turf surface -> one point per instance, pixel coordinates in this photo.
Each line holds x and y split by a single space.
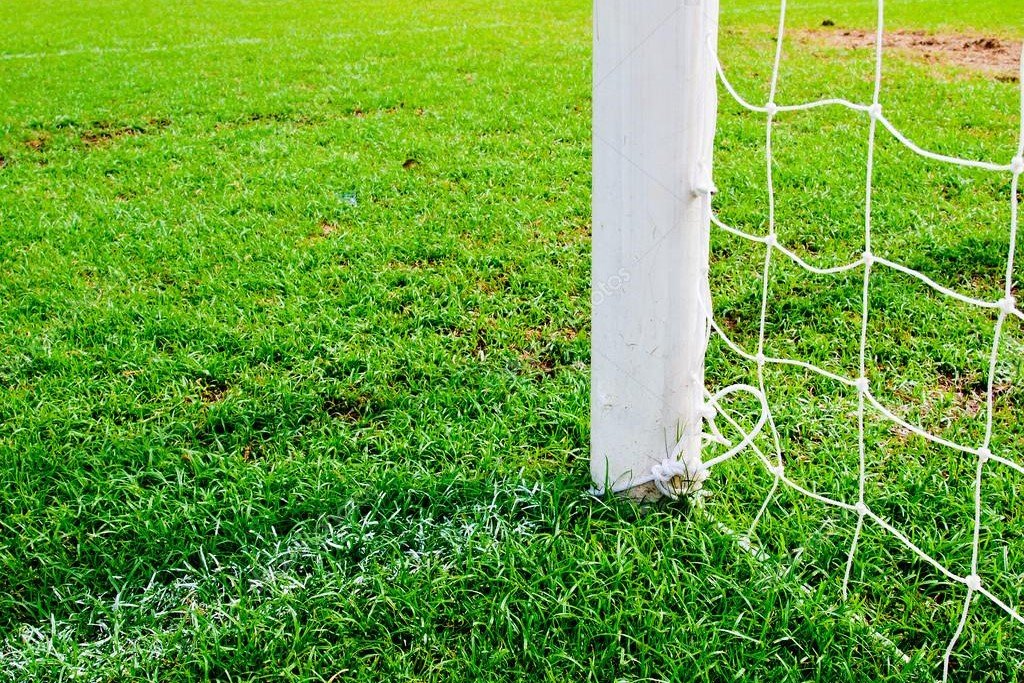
294 378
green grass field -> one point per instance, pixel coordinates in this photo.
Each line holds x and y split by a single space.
294 346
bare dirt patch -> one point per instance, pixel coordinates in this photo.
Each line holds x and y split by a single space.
38 142
998 58
103 132
100 136
212 390
355 406
325 230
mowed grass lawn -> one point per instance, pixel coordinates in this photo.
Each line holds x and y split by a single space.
294 347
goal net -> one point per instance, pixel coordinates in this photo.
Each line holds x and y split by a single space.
861 343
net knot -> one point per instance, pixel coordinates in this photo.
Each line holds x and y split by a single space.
771 109
771 240
862 384
869 259
703 183
1017 165
778 471
973 581
861 507
674 478
984 454
705 186
1008 305
708 411
875 111
760 359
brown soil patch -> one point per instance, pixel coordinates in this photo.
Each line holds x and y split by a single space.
355 407
212 391
39 142
100 136
324 231
102 132
996 57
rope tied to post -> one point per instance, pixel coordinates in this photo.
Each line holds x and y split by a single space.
678 475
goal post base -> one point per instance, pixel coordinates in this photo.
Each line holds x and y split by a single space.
644 493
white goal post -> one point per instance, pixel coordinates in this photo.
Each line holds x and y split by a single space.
654 124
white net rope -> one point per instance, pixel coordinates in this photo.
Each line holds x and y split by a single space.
1004 307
